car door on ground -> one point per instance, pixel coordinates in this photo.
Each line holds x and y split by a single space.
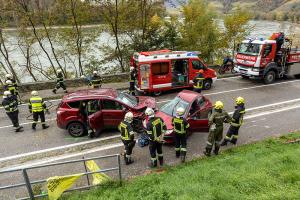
198 115
112 113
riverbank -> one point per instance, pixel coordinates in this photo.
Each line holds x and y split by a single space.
262 170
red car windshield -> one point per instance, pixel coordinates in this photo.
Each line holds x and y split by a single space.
127 99
171 107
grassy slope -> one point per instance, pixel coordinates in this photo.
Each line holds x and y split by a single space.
265 170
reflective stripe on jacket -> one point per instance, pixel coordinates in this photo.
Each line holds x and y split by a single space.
126 131
180 125
36 104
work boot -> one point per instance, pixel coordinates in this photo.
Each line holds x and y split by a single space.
153 163
91 134
183 154
33 128
177 154
19 129
207 151
54 91
216 150
45 126
129 161
224 143
66 91
161 161
233 141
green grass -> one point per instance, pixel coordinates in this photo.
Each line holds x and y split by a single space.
265 170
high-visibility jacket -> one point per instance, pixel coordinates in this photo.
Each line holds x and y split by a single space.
10 104
126 131
180 125
155 128
238 115
198 81
36 104
96 81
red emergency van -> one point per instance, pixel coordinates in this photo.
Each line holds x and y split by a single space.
163 70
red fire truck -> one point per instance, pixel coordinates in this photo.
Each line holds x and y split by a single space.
268 59
165 70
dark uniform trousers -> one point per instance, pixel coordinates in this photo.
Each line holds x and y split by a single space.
155 147
180 143
128 145
13 116
36 116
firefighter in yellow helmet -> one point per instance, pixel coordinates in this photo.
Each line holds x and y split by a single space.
236 122
37 107
127 136
216 120
180 127
198 81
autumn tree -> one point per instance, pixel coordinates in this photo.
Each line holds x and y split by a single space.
236 28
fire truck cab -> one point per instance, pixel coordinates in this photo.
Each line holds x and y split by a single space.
267 59
165 70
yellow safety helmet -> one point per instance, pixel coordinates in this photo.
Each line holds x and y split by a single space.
219 105
240 100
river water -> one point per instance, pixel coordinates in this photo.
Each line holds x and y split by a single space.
261 29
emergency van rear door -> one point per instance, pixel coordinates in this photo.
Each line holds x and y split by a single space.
161 75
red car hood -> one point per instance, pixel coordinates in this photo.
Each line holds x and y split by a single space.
145 102
167 119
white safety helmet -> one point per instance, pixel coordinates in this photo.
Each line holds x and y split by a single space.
59 71
95 72
128 117
131 69
8 76
34 93
8 82
149 112
5 94
180 111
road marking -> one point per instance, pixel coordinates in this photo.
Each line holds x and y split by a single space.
108 147
240 89
47 120
58 148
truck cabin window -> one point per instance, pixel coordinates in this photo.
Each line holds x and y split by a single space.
160 68
250 49
267 50
197 65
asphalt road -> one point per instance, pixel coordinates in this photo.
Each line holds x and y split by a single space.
226 90
255 128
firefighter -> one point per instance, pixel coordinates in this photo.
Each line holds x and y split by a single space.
155 130
180 126
10 104
127 136
10 77
216 120
37 107
235 124
96 80
133 75
10 86
60 82
198 81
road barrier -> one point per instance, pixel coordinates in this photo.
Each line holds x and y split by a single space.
29 183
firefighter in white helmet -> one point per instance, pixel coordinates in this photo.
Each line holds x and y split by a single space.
127 136
60 83
37 107
133 76
180 127
156 129
96 80
216 120
10 104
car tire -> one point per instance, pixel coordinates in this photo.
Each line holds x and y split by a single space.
244 77
76 129
297 76
269 77
207 84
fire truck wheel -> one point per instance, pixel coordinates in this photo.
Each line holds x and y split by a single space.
269 77
207 84
157 93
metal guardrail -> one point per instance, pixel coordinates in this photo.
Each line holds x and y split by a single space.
29 183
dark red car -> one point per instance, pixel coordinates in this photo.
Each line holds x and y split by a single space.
197 109
108 109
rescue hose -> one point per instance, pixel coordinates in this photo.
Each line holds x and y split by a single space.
29 117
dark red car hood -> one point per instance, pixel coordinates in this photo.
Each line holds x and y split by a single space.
145 102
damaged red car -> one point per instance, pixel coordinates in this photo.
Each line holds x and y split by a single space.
107 110
197 109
